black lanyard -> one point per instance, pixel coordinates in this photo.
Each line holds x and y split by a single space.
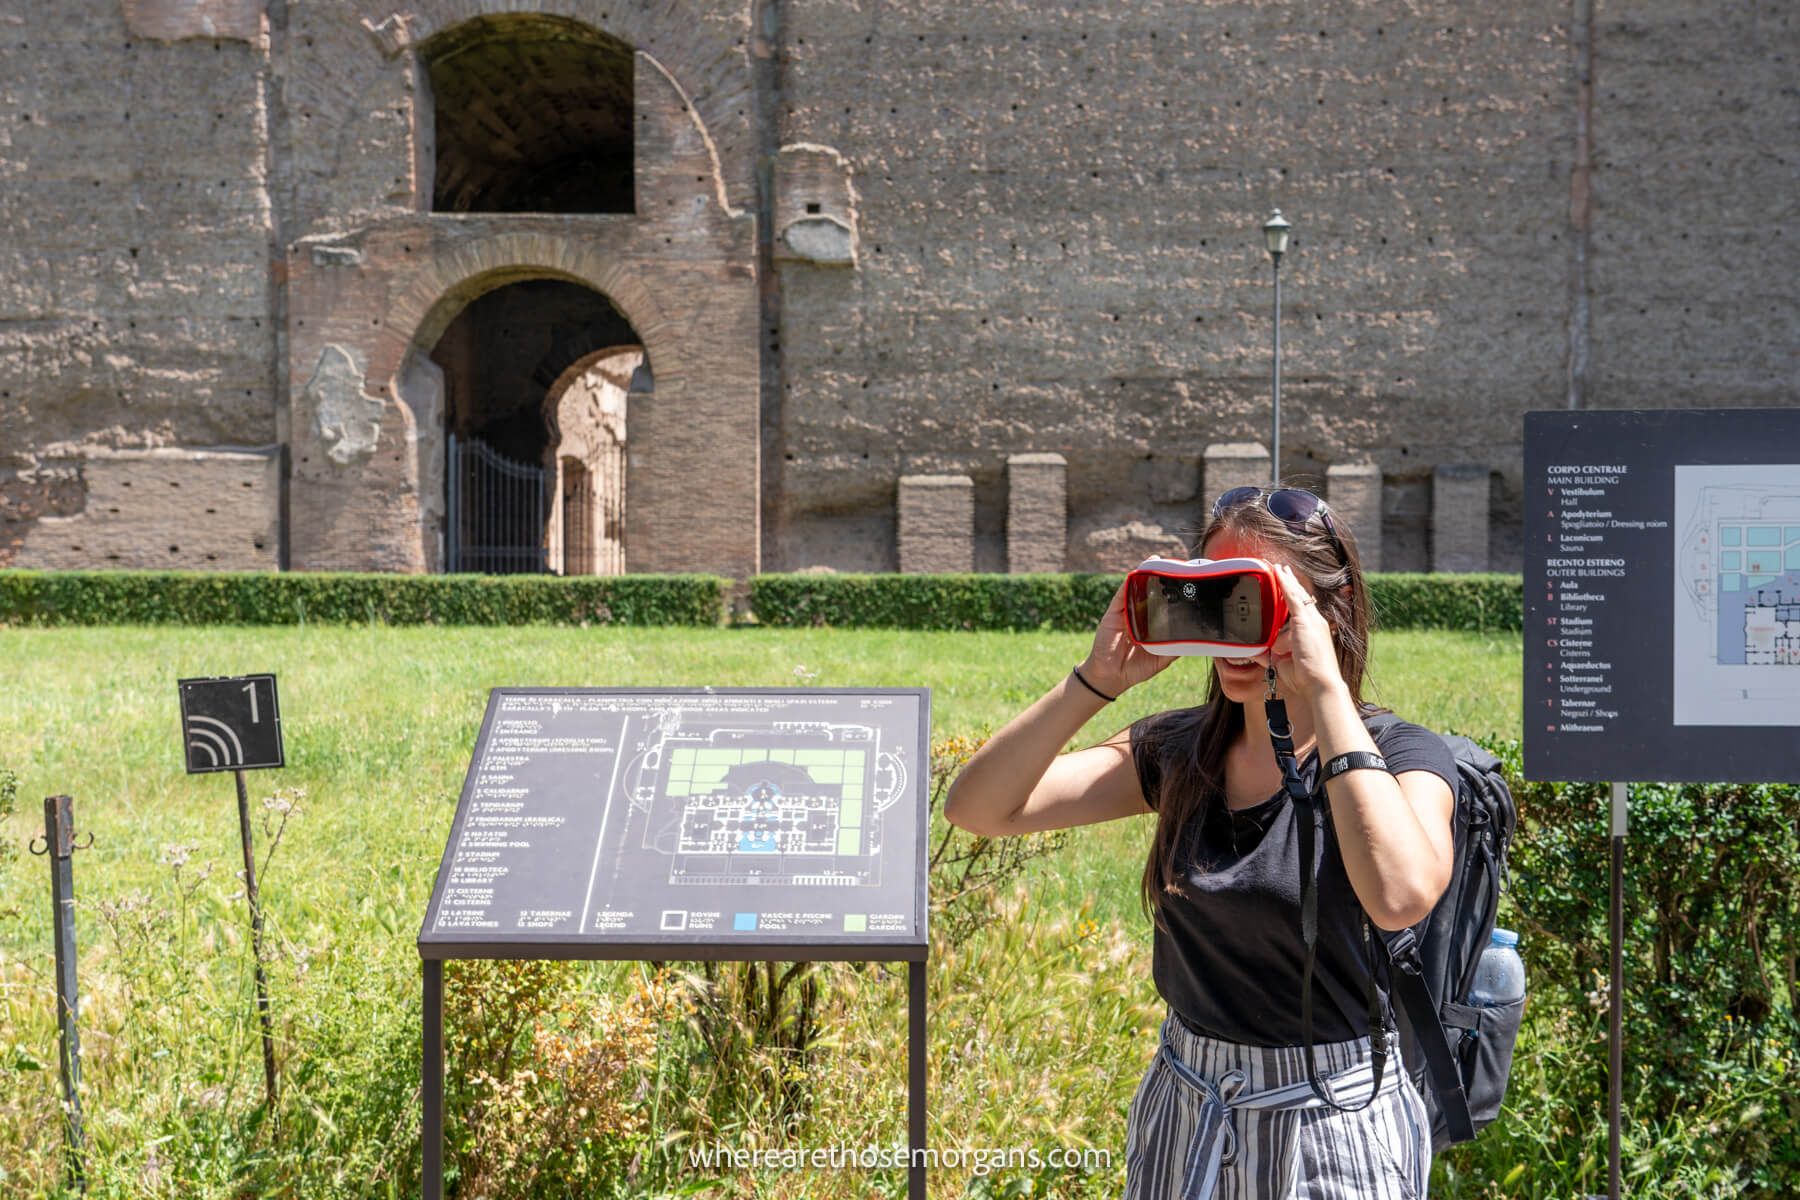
1310 821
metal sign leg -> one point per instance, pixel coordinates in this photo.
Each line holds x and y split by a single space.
432 1081
1616 1052
59 844
256 943
915 1080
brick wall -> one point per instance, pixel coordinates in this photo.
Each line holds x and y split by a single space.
1038 232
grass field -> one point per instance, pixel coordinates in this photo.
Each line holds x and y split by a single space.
1041 1024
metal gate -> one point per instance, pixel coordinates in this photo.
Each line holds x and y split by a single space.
496 517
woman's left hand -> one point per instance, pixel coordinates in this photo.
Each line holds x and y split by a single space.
1304 654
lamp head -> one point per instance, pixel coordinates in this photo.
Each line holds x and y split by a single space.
1275 234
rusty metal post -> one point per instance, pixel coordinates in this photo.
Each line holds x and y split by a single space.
59 846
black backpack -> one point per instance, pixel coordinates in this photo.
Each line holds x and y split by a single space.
1459 1055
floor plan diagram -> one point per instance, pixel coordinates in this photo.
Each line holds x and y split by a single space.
782 802
749 815
1737 602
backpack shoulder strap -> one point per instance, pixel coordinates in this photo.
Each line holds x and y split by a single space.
1407 984
1482 799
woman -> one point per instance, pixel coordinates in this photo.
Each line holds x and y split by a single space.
1225 1108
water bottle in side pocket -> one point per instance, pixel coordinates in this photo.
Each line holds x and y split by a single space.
1500 975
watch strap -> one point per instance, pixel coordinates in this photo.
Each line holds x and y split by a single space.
1352 760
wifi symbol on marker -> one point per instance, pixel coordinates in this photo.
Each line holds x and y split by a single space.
215 739
231 723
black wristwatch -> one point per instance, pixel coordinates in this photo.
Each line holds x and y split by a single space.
1352 761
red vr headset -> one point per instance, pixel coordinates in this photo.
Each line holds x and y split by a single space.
1228 607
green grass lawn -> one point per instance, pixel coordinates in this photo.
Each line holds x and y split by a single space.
379 723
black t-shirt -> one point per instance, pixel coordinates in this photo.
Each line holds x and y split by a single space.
1230 961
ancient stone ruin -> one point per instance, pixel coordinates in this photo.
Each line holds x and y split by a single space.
592 286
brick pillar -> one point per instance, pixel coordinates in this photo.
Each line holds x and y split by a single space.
1233 464
1354 492
1459 518
937 523
1037 512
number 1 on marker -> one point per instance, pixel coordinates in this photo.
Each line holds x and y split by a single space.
251 688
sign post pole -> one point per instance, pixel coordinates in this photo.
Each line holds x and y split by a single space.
433 1081
59 846
1616 1054
915 1080
233 723
256 942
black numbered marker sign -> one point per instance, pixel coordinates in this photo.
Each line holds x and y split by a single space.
231 723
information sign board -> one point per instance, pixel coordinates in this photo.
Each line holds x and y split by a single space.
635 823
1662 595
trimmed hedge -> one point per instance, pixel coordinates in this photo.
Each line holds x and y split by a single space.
1068 602
1478 603
1075 601
294 598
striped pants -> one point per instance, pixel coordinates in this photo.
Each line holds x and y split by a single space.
1215 1120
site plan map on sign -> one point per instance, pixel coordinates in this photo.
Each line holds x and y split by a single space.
690 815
1737 595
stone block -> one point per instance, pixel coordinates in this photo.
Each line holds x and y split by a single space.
1354 493
937 523
1037 512
195 510
1234 464
174 20
1123 546
1459 517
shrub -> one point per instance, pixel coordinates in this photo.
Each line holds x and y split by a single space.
1075 601
1712 936
546 1077
296 597
1477 603
933 601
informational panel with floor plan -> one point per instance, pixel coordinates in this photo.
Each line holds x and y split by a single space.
1662 595
1737 595
657 819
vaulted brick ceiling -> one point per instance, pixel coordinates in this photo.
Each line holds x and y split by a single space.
533 115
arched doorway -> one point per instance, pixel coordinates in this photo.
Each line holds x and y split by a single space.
515 409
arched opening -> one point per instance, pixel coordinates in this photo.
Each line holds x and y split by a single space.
525 393
532 114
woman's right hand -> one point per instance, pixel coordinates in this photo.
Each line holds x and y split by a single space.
1116 662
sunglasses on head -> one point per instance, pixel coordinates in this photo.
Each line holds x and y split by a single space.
1293 507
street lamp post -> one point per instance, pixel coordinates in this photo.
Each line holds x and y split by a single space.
1275 235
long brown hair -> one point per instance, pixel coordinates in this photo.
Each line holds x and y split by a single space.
1189 744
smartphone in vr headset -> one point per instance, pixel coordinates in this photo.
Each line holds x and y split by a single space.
1228 607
